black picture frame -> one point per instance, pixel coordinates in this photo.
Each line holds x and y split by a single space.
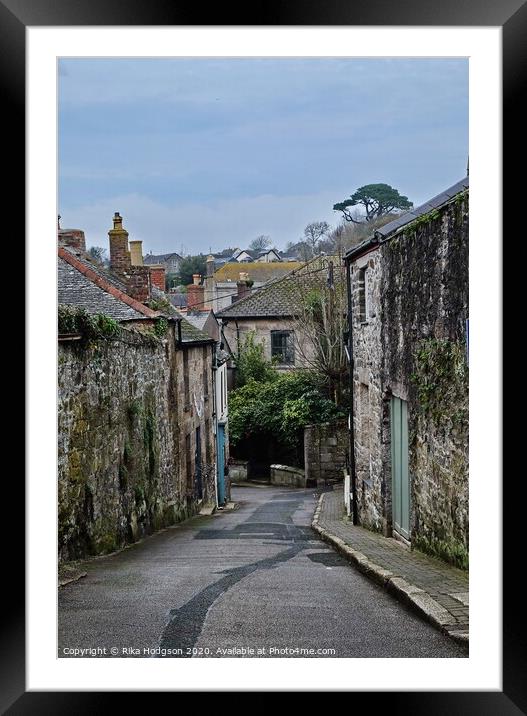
511 15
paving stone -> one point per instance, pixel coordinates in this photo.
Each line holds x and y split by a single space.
439 589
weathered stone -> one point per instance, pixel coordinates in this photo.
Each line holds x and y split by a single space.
287 476
122 458
325 449
412 345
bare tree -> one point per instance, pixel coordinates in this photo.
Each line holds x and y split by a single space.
320 321
260 243
98 254
313 233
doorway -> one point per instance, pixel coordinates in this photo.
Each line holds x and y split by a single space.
400 478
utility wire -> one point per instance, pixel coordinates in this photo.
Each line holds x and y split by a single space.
254 291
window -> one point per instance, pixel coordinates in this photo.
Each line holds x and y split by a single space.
282 346
362 294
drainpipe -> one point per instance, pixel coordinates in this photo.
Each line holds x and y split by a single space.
237 337
353 474
179 339
215 417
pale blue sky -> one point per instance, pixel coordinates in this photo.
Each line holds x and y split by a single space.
199 154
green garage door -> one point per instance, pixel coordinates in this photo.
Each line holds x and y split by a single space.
400 480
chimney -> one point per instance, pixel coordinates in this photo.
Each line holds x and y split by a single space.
72 237
157 275
243 284
210 265
138 282
195 294
120 260
136 253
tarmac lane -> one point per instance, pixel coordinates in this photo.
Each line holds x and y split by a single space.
256 582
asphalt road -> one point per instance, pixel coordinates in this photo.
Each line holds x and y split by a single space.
253 582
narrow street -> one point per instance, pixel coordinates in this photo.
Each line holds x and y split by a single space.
256 578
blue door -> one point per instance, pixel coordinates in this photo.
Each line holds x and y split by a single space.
400 478
221 464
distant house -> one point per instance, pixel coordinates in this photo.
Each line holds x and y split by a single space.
223 257
408 348
248 255
171 262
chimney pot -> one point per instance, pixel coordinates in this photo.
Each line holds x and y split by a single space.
196 279
120 259
136 253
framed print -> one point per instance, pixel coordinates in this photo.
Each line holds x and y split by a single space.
168 350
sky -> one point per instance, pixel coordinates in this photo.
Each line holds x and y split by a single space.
200 154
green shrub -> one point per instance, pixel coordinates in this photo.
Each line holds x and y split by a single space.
251 363
280 408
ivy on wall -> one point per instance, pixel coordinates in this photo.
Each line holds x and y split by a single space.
441 378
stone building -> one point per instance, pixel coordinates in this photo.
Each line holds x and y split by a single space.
170 262
408 328
137 421
275 313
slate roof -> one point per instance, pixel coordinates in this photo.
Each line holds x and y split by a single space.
401 221
258 272
84 283
79 283
192 334
159 258
189 333
281 297
198 320
429 205
177 299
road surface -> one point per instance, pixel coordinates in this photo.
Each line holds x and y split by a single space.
251 582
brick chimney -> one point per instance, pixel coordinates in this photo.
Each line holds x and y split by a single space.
243 285
157 276
136 253
72 237
138 282
195 294
120 259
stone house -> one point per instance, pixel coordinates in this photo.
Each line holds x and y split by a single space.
274 312
137 422
170 262
407 342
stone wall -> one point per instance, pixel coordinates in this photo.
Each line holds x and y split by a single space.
120 446
325 450
286 476
195 408
373 500
413 346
